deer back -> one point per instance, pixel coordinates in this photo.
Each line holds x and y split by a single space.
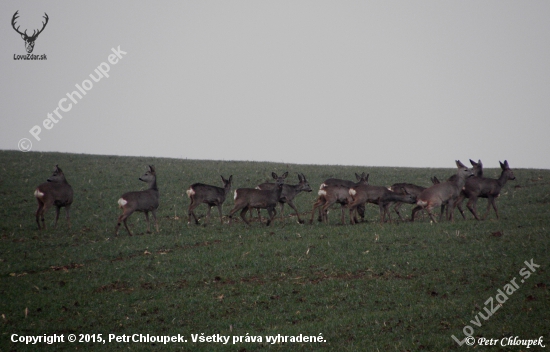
212 195
258 198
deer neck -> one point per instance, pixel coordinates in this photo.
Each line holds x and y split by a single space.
153 185
502 179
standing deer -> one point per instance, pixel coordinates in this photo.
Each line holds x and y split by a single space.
211 195
250 198
362 179
141 201
57 191
329 195
481 187
288 194
444 193
379 195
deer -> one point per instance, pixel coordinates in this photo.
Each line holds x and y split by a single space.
405 188
477 169
211 195
250 198
29 40
481 187
288 194
361 179
56 191
444 193
329 195
141 201
379 195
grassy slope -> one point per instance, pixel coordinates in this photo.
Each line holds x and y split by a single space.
396 287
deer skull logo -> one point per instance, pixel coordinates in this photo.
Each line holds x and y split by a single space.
29 40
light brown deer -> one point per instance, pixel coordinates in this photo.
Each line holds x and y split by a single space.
444 193
362 179
288 194
328 196
141 201
211 195
57 191
481 187
250 198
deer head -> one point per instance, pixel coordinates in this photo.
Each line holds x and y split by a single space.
29 40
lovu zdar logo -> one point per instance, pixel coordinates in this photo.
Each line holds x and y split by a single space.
29 39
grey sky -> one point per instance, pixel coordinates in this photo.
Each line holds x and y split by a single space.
373 83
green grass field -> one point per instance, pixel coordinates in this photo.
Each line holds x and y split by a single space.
400 286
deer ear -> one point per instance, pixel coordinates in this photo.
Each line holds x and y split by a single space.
459 164
506 164
299 177
274 175
304 177
473 162
367 177
501 165
230 178
152 168
285 175
57 168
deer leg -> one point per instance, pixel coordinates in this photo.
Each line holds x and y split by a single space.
396 208
488 209
38 213
472 207
191 211
272 212
123 218
415 210
342 206
57 210
220 211
67 215
429 210
208 214
147 219
154 212
233 211
259 215
493 202
316 205
243 213
291 204
361 211
459 204
282 214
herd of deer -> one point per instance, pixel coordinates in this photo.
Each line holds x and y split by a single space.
466 183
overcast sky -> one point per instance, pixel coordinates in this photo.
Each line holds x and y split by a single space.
371 83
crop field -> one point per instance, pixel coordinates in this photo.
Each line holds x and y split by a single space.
397 286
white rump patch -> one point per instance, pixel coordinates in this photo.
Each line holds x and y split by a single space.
352 192
190 192
422 203
323 185
235 196
258 187
322 192
38 194
389 189
122 202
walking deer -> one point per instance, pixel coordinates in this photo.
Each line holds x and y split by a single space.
250 198
57 191
328 196
481 187
141 201
405 188
477 169
288 194
362 179
444 193
379 195
211 195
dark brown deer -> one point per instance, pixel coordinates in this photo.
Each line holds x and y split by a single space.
443 193
250 198
379 195
288 194
211 195
141 201
405 188
481 187
57 191
328 196
362 179
29 40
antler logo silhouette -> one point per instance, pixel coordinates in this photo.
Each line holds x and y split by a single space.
29 40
